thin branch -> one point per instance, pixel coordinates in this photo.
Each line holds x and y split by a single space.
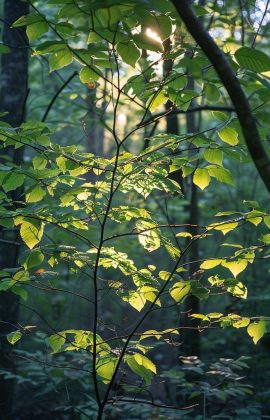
49 107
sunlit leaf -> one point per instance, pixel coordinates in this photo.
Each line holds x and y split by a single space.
201 178
256 330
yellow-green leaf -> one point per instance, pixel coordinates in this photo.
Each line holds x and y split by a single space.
35 30
256 330
31 232
56 341
179 291
235 267
145 362
201 178
89 74
208 264
106 368
14 336
229 135
224 227
156 100
35 195
213 156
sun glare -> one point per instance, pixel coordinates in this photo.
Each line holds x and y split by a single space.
153 35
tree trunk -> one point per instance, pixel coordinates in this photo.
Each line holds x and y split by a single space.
13 94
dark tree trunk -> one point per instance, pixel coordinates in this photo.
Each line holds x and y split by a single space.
13 93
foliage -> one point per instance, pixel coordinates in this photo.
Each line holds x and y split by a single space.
93 226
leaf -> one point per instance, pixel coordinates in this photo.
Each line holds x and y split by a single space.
14 336
149 235
20 291
229 135
164 26
135 299
208 264
35 195
145 42
60 59
213 156
236 288
252 59
106 367
224 227
156 100
139 369
235 267
13 181
201 178
266 238
35 258
256 330
56 341
129 52
179 291
267 221
31 232
35 30
145 362
89 74
221 174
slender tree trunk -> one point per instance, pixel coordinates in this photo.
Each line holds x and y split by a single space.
13 93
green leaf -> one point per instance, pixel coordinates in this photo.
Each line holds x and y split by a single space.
129 53
139 369
229 135
56 341
179 291
35 30
34 259
4 49
20 291
89 74
31 232
213 156
201 178
164 26
60 59
252 59
256 330
14 336
13 181
221 174
28 20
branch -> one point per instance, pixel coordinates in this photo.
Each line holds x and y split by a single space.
56 96
168 113
232 85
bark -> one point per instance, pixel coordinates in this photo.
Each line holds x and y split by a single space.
232 85
13 93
